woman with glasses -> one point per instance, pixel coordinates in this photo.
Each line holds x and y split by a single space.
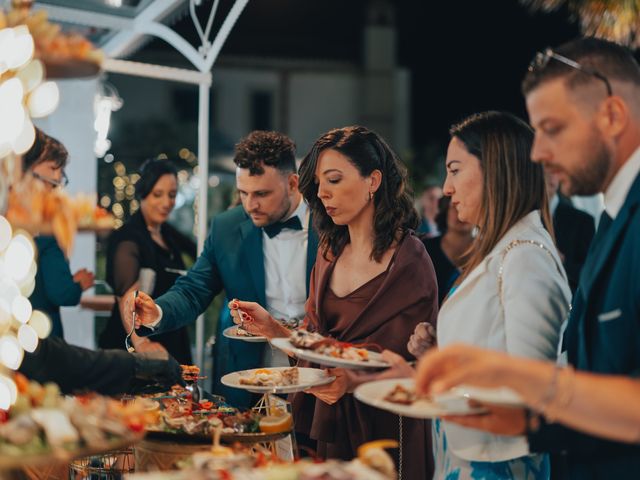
146 254
513 292
55 285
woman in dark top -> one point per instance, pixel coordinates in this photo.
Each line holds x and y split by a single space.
372 283
146 241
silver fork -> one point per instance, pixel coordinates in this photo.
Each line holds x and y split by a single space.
130 348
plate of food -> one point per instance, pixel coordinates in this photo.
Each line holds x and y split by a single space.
399 396
277 380
236 332
502 396
329 351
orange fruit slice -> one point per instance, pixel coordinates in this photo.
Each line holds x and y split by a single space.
380 444
276 424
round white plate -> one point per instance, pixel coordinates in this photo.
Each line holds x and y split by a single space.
375 359
309 377
231 333
373 393
495 396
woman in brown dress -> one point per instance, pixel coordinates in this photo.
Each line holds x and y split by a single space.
373 282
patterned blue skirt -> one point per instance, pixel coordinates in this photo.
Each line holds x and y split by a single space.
450 467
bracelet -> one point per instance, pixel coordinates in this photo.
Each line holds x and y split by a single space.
549 395
564 393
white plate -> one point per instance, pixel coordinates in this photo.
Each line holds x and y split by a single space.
231 333
495 396
375 359
309 377
373 393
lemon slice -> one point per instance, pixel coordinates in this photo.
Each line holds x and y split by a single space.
276 424
379 444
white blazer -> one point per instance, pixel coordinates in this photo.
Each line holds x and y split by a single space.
526 322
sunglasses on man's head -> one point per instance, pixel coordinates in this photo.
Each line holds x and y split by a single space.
541 60
63 182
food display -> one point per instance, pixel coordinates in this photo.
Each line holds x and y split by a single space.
52 44
264 377
180 416
89 215
42 210
42 422
372 463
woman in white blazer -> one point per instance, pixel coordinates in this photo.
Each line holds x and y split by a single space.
513 294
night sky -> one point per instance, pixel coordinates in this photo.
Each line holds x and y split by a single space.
464 56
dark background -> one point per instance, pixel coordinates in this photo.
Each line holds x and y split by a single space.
464 56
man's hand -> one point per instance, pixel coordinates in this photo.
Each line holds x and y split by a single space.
144 345
497 420
145 308
85 278
157 369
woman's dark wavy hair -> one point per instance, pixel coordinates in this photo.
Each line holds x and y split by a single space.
150 172
394 213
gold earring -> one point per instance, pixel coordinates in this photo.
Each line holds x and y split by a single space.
370 196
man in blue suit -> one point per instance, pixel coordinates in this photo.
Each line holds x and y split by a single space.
583 101
261 251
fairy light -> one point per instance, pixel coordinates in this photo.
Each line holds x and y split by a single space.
24 94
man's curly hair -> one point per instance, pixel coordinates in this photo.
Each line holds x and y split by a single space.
261 148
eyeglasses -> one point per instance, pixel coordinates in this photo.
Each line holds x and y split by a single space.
541 60
63 182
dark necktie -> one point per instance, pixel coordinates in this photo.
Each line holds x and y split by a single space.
275 228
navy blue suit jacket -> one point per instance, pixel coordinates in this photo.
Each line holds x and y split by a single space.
232 260
603 336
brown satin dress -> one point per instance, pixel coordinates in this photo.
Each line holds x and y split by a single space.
384 311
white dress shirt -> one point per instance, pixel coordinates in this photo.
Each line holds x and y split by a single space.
285 271
618 189
285 268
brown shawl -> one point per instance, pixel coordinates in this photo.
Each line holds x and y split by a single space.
407 296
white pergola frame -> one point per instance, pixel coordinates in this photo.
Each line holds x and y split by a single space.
129 36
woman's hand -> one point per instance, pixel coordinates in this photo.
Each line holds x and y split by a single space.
255 319
85 278
423 338
400 368
333 391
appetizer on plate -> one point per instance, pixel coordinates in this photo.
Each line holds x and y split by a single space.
265 377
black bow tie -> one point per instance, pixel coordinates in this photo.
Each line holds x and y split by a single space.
274 229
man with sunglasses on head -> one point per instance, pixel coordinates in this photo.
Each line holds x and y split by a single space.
55 285
583 101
